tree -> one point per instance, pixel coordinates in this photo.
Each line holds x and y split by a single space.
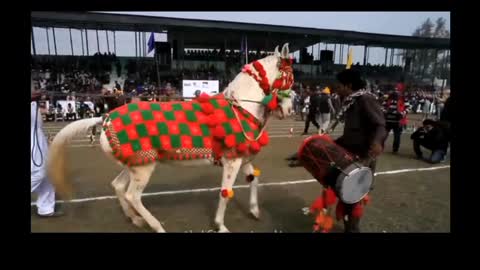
423 61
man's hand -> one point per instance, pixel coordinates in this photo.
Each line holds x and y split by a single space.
375 150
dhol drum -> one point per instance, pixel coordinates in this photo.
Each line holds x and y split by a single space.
335 167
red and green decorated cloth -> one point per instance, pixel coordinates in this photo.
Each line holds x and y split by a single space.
143 132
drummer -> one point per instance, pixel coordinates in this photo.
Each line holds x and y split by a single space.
364 132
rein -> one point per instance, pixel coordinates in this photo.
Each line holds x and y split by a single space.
282 82
264 125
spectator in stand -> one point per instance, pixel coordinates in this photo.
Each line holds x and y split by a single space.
70 112
60 112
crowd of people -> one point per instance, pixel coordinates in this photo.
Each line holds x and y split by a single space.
220 55
373 70
319 106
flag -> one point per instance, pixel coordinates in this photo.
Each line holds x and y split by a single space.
350 58
151 43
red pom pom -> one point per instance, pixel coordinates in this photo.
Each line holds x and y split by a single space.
254 147
273 104
264 85
230 141
357 211
340 211
242 148
217 154
224 193
217 149
258 66
317 205
219 132
366 199
264 139
330 197
212 120
207 108
260 70
328 224
204 97
277 84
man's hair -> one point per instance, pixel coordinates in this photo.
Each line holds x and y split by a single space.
351 76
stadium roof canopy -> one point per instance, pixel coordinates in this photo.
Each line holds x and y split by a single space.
214 34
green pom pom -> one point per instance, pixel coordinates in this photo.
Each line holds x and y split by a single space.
267 99
284 94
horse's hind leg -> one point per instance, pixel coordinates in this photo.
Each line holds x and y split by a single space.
252 178
139 177
120 184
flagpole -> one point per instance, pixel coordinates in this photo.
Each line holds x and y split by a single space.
246 50
147 51
155 56
158 71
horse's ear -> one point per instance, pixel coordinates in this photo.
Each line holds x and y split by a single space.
285 51
277 53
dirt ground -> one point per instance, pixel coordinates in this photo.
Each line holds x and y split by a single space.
411 201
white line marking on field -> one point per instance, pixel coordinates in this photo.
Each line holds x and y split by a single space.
198 190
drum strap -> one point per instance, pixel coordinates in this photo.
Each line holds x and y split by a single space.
347 103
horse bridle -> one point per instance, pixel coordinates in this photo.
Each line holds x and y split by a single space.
280 88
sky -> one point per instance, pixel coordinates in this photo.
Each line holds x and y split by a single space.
396 23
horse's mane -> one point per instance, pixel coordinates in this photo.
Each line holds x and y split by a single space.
243 80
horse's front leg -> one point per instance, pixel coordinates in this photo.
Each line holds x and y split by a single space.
230 171
252 175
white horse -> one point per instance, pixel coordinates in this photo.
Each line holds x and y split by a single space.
130 183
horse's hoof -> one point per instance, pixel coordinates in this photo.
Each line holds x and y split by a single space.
223 229
255 212
139 222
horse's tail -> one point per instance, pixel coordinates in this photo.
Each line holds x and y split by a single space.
56 163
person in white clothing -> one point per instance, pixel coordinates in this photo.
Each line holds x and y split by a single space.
39 180
325 110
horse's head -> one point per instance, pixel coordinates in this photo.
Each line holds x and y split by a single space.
266 82
281 86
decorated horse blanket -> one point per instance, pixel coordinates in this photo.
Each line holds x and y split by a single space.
208 127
